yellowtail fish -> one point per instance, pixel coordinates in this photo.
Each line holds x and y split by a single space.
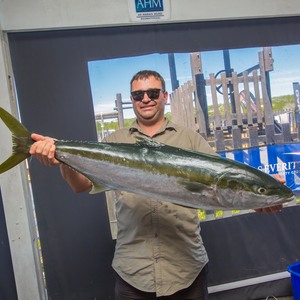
184 177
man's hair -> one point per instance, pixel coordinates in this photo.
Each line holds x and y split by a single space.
144 74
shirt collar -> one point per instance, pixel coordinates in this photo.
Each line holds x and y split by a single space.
167 125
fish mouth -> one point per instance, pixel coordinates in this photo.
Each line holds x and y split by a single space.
290 198
281 200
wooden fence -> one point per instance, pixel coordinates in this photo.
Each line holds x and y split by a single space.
182 106
241 116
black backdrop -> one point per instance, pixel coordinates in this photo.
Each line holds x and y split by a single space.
50 69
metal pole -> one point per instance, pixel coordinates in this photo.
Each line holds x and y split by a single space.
173 74
228 71
119 106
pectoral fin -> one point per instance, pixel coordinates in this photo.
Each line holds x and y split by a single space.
193 187
98 188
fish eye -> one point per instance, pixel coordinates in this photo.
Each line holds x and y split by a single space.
261 190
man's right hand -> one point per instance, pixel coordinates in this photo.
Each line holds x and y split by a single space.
44 150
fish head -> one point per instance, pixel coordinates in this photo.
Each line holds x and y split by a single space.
250 189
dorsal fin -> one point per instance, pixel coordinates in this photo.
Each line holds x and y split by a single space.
147 141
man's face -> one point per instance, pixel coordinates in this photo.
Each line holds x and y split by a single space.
150 108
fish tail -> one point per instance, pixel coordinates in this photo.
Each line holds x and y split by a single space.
21 139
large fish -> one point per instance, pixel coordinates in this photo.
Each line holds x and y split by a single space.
155 170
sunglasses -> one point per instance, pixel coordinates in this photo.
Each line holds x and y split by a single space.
152 94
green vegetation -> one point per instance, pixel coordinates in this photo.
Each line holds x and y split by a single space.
283 102
280 103
113 125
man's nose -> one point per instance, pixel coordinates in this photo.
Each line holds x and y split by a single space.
146 98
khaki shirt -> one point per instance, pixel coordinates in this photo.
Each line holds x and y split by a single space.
159 248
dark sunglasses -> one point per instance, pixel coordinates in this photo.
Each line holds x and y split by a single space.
152 94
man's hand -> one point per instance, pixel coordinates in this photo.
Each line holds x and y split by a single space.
44 149
276 208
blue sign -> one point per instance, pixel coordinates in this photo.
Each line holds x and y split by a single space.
149 5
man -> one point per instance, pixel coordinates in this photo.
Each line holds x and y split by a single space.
159 250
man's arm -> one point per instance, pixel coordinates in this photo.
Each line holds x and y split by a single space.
44 150
76 181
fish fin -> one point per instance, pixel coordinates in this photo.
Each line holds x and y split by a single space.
21 138
12 161
147 141
98 188
194 187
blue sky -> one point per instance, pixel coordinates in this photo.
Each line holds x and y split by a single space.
109 77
